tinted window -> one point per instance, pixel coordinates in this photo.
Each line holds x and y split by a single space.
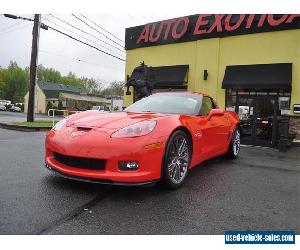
207 106
169 103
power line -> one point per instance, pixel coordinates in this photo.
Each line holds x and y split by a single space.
46 27
10 26
63 33
14 29
86 33
76 59
102 28
122 46
82 36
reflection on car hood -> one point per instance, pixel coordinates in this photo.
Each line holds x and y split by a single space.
109 120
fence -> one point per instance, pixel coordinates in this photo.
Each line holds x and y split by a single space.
63 112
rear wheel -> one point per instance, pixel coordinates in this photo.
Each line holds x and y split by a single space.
235 144
176 160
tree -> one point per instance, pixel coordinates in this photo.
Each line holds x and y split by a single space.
48 74
94 86
15 83
115 88
2 82
71 79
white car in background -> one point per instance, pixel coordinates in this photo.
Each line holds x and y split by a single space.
100 108
15 109
2 107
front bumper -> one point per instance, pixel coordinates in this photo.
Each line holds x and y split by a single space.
99 145
98 181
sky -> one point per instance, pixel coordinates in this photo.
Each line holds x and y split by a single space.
64 54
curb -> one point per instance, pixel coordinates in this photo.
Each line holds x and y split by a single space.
296 143
23 128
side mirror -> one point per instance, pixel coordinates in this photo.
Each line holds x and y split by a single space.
215 112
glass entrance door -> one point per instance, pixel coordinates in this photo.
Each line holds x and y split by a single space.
245 110
257 119
265 121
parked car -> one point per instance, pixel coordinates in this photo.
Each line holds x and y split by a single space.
158 138
100 108
15 109
2 108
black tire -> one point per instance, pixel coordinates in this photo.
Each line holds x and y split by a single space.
176 160
235 144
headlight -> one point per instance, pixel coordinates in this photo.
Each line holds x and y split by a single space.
135 130
59 124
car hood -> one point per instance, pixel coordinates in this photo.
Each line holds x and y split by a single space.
109 120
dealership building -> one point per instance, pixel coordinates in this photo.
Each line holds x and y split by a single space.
249 64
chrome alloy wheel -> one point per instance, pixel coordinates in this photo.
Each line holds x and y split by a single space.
178 159
236 142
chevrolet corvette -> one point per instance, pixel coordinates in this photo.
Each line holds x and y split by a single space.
157 139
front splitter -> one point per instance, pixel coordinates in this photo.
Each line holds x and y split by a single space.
100 181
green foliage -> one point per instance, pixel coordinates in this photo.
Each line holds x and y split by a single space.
94 86
115 88
48 74
15 83
49 106
37 123
8 106
60 106
2 72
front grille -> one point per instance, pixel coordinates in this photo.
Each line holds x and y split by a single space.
80 162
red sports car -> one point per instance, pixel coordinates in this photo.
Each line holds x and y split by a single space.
158 138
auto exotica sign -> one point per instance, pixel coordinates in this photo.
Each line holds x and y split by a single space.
196 27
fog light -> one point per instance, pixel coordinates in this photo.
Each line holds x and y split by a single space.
128 165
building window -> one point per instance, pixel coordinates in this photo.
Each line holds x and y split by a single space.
230 100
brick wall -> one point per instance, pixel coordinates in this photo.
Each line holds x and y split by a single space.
295 126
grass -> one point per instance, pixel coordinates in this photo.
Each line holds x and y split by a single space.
37 123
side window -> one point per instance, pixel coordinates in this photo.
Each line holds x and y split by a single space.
207 106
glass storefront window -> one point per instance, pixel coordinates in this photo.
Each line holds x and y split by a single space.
230 100
259 111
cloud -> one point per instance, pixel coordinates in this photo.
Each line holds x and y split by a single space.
64 54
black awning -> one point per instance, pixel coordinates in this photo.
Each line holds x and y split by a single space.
258 76
169 76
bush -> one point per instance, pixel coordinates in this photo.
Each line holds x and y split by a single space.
60 106
49 106
8 106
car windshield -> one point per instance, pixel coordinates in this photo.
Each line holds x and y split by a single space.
169 103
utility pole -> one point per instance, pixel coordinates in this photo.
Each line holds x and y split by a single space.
33 66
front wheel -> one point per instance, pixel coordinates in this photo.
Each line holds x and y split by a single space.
176 160
235 144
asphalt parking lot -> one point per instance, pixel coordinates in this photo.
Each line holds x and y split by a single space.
259 191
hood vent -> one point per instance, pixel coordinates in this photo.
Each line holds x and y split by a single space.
83 129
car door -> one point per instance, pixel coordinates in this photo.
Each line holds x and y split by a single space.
214 129
208 129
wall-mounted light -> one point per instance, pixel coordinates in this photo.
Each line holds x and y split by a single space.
205 74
